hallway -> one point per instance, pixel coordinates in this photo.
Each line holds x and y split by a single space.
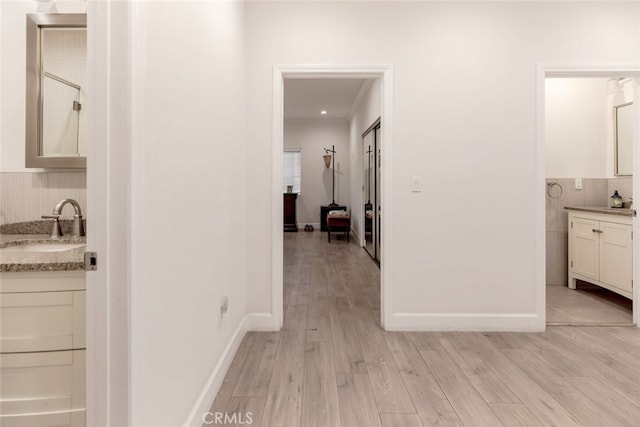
333 365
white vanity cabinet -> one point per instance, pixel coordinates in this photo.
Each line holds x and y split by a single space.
600 250
42 348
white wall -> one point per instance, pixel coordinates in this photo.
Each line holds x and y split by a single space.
464 120
2 62
366 113
188 203
312 136
576 122
579 121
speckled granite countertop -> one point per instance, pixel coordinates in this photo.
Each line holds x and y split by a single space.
38 227
71 259
602 210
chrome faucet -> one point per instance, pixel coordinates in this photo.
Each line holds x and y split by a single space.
56 231
78 227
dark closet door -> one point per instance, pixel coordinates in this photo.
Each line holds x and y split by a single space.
372 180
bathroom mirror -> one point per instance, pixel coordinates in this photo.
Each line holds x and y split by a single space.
56 91
624 139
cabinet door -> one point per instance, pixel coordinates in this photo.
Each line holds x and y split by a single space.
42 389
584 250
289 211
42 321
616 255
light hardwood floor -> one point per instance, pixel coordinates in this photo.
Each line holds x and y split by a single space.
332 365
587 305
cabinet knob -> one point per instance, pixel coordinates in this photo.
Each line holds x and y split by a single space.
596 231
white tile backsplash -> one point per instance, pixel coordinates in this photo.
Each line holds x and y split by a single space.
624 185
595 192
26 196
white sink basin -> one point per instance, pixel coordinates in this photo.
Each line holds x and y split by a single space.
43 247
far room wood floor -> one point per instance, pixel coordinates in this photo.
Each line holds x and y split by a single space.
587 305
332 365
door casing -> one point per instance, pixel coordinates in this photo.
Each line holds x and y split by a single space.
579 71
304 71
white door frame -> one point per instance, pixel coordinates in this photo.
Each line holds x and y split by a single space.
385 73
542 72
108 207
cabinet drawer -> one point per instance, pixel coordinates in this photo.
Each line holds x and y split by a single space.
42 321
46 388
42 281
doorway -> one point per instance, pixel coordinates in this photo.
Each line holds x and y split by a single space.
385 74
581 174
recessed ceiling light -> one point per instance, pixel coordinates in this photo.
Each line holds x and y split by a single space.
323 112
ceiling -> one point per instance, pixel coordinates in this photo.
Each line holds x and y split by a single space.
306 98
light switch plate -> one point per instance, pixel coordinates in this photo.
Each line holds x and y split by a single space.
416 184
578 183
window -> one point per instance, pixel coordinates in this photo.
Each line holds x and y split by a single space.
291 169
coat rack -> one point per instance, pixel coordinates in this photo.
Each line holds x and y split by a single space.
328 159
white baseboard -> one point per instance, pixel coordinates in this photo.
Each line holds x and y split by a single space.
212 386
355 233
471 322
250 322
260 322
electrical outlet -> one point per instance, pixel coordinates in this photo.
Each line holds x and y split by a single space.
578 184
224 304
